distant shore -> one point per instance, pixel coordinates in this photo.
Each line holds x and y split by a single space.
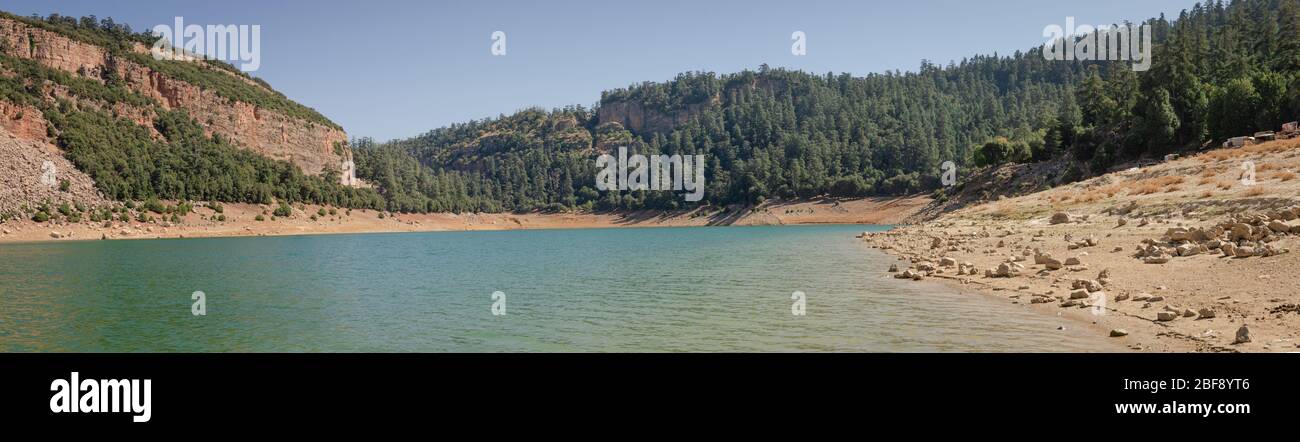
240 220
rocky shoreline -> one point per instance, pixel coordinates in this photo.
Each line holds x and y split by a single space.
1204 267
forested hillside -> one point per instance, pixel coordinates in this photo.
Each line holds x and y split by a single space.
1220 70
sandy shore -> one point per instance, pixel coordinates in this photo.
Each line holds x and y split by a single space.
1114 223
241 221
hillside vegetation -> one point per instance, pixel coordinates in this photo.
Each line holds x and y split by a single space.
1219 70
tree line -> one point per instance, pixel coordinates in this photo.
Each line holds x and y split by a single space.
1221 69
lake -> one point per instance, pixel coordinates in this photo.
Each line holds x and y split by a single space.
707 289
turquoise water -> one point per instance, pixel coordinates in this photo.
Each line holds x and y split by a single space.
673 289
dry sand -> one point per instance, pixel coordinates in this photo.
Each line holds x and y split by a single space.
240 221
1199 191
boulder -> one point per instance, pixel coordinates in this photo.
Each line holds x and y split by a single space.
1207 313
1279 227
1118 333
1079 294
1240 231
1229 249
1006 270
947 262
1052 264
1073 261
1157 259
1166 316
1178 234
1087 284
1060 218
1243 335
1189 250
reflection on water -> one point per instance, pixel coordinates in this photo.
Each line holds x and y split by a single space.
679 289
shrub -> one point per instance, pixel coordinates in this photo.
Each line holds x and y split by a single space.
260 218
155 206
217 208
321 212
283 211
1000 150
64 185
41 217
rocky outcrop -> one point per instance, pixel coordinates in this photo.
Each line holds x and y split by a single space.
24 122
635 116
309 145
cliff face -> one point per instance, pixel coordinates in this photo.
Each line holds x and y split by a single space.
309 145
24 122
636 117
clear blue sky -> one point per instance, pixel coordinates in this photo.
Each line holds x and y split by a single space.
393 69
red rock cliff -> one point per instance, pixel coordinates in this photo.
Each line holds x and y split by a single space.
309 145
